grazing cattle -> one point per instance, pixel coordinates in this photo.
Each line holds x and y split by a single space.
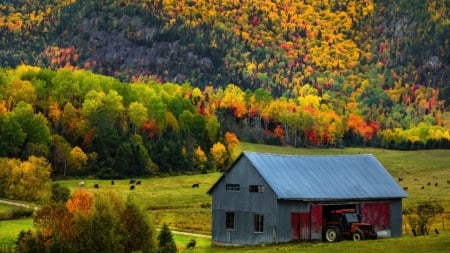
96 186
448 181
81 184
112 182
132 187
400 179
138 182
195 185
429 183
132 181
423 187
436 184
405 188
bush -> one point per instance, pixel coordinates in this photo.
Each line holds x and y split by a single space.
60 193
422 216
191 244
20 212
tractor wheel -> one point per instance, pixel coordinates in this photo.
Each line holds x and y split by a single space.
332 234
358 235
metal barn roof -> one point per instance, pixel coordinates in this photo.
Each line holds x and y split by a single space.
325 177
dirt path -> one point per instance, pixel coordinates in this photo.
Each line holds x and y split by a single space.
13 203
191 234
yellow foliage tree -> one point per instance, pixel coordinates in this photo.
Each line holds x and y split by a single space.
30 180
219 154
199 158
77 158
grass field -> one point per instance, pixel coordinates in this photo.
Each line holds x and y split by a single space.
9 230
173 201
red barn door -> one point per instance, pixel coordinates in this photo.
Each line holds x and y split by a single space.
316 222
376 213
300 226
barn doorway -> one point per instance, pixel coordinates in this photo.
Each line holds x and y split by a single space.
300 226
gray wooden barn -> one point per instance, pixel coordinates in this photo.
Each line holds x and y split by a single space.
270 198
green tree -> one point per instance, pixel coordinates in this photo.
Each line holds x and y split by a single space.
12 137
138 115
35 127
139 230
166 242
60 194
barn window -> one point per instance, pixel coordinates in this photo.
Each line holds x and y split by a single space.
229 220
259 223
232 187
256 188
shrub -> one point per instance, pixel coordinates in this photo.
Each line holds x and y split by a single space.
60 193
20 212
422 216
191 244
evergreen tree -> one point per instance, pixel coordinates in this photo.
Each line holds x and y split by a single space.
166 242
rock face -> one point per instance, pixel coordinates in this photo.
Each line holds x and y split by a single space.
135 48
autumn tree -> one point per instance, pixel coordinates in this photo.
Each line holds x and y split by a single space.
29 180
199 159
89 223
219 155
77 158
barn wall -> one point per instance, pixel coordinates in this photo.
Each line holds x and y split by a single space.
244 204
285 209
396 218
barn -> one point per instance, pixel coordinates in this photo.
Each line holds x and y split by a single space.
270 198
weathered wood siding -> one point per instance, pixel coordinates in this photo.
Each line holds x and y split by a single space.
396 217
244 204
285 209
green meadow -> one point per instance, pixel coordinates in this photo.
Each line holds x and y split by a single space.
173 201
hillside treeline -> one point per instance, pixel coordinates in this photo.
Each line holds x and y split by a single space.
89 124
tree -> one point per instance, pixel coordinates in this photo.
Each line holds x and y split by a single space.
81 202
212 127
30 179
60 194
139 230
60 153
12 137
219 155
35 127
199 159
232 143
166 242
77 158
89 223
422 216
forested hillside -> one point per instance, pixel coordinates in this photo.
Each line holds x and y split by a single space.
182 81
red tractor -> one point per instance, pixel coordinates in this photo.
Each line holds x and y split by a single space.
346 223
